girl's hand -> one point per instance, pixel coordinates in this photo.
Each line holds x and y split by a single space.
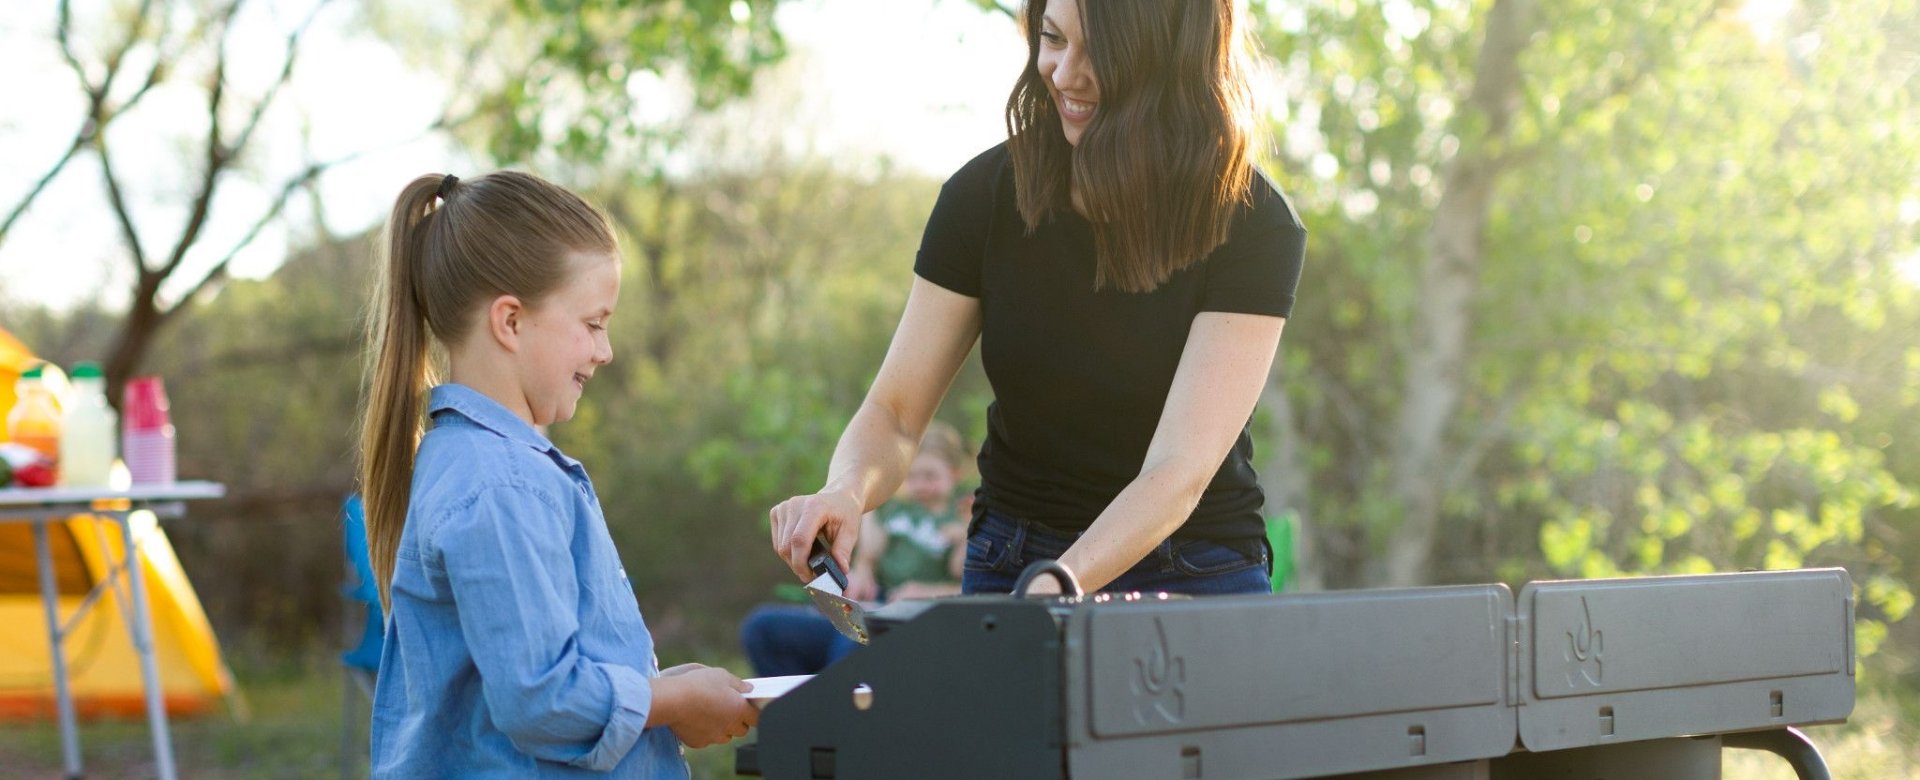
679 670
796 521
703 706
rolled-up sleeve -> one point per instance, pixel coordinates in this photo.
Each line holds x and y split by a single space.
508 562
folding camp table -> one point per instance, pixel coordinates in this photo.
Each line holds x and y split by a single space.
41 506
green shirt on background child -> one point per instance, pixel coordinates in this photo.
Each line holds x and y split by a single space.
916 547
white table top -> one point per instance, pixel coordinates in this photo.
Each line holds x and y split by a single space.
80 498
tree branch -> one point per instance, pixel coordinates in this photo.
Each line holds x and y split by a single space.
119 55
119 203
153 77
305 179
219 270
63 32
97 114
286 75
218 155
80 139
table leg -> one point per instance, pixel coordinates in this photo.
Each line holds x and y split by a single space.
142 631
56 652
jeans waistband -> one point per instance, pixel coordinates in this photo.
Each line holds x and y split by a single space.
1002 547
1030 540
991 521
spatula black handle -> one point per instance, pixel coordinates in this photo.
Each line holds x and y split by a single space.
820 561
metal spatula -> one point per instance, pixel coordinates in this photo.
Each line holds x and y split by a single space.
828 591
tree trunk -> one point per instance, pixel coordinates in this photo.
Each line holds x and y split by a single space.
1436 364
143 322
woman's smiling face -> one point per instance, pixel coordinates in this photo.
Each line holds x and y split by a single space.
1066 69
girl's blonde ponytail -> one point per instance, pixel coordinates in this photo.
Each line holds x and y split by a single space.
450 246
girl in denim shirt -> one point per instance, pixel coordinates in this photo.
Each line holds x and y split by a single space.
514 645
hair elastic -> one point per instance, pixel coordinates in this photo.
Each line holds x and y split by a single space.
446 185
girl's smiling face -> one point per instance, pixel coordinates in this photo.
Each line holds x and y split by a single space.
563 339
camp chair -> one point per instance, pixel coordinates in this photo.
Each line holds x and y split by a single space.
361 663
1280 534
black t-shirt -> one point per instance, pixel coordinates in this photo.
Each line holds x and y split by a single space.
1080 376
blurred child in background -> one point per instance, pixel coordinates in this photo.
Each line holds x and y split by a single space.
910 547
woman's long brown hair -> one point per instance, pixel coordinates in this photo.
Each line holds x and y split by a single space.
1163 167
450 247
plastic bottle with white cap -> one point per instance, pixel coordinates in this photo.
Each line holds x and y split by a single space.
88 431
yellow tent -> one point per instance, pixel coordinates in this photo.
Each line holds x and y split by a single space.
14 358
102 669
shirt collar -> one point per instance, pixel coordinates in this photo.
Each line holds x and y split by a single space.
487 413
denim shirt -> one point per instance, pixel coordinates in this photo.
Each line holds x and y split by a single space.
515 647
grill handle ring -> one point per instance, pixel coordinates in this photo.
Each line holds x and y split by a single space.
1069 584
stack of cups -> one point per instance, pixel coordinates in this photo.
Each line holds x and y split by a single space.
147 433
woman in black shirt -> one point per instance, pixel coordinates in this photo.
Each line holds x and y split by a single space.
1127 273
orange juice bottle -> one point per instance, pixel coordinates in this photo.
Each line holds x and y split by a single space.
35 419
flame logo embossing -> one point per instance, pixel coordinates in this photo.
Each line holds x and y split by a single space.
1583 650
1157 682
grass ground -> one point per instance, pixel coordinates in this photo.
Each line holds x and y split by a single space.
287 725
292 728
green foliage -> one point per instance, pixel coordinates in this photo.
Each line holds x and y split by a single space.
1691 344
1690 350
787 430
756 307
593 49
569 81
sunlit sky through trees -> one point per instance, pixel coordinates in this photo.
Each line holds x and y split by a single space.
919 82
922 83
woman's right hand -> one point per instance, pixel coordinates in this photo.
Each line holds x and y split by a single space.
798 520
706 704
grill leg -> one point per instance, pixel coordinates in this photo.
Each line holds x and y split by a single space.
1787 743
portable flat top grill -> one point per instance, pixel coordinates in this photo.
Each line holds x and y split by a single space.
1620 678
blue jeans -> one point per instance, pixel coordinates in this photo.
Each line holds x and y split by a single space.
783 639
1001 547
